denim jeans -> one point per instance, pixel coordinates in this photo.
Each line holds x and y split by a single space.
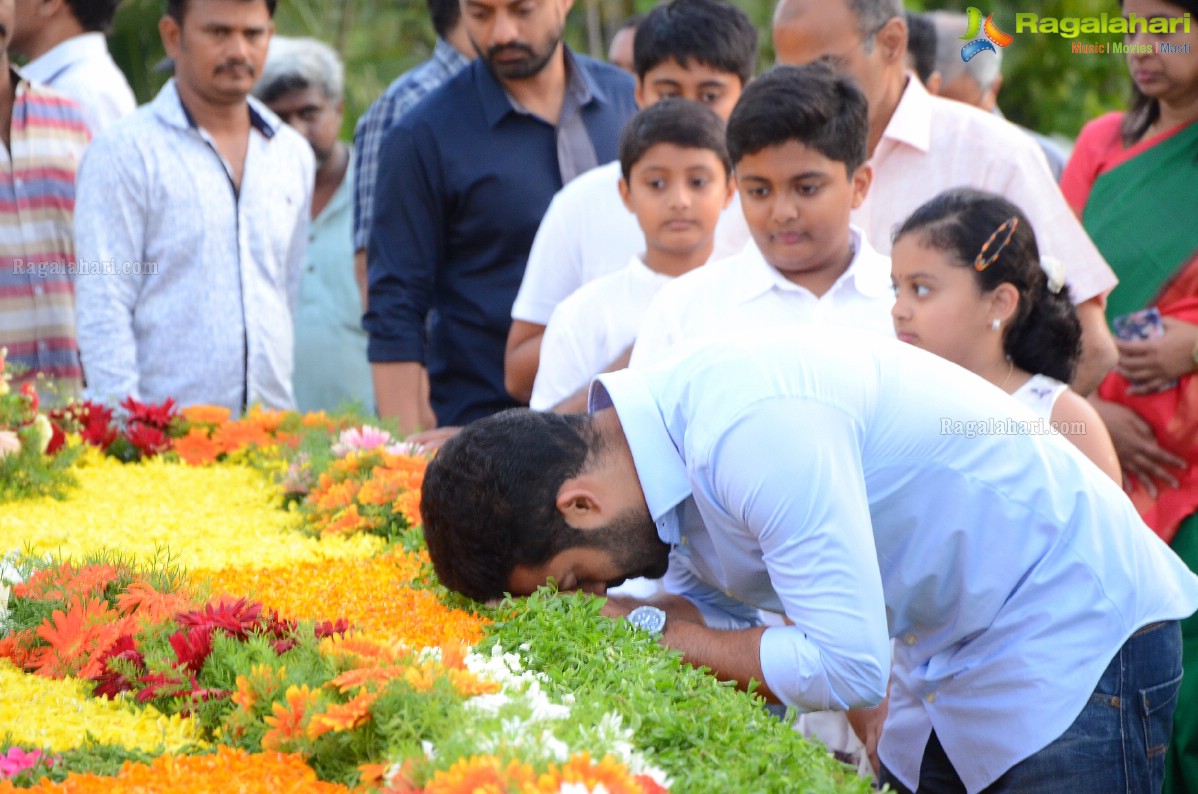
1115 746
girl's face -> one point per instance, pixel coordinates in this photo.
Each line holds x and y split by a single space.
1170 72
939 307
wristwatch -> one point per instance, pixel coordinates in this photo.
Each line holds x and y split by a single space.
650 619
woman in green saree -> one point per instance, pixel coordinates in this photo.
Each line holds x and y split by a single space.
1133 180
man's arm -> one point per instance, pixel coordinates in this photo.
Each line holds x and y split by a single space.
110 227
522 358
406 249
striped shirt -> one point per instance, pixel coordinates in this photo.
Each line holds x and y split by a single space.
401 96
37 242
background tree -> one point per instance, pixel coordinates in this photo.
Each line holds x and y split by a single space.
1046 86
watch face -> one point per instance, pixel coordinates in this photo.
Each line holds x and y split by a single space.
651 619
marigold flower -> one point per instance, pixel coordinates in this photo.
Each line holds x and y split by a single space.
206 414
197 448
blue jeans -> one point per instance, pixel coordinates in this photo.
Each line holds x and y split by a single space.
1115 746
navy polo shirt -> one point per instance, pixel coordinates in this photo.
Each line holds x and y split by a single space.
463 182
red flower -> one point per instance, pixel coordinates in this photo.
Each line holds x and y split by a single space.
158 416
111 683
163 684
239 618
192 647
58 439
328 628
30 393
95 423
148 440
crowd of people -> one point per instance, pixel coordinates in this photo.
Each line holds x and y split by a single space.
791 299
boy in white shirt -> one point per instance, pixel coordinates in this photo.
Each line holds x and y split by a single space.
797 139
676 180
701 50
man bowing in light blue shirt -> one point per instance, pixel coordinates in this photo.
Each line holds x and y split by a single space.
866 490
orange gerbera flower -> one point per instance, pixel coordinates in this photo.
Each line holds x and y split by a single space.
235 436
77 639
197 448
142 601
206 414
344 716
289 722
482 775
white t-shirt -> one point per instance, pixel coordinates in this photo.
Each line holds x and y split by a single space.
745 291
591 329
1040 393
932 144
587 232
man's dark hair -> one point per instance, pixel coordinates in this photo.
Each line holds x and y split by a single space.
94 15
921 44
810 104
489 498
176 8
711 32
446 14
681 122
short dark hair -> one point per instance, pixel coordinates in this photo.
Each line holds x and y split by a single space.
681 122
94 15
176 8
921 44
1044 335
810 104
489 497
446 14
710 32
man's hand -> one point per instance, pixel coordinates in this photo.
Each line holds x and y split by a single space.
867 724
432 440
1135 444
1151 364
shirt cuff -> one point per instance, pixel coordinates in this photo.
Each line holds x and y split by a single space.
388 350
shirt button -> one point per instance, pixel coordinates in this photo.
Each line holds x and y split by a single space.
683 540
931 698
729 593
910 639
38 290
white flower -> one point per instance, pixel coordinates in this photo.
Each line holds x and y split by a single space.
10 443
1055 270
45 432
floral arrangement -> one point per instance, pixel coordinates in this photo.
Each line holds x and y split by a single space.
272 615
28 465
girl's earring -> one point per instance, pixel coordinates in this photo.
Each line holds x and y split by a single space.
995 324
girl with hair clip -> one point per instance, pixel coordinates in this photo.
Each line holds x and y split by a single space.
971 288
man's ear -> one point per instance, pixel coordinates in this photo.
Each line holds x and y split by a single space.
639 93
168 29
48 8
892 40
933 83
578 503
731 190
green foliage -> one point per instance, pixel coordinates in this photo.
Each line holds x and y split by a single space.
707 736
91 758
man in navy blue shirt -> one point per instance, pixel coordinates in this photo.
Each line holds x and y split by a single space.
464 179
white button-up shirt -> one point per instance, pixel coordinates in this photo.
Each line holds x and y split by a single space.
197 281
744 291
82 68
827 479
587 232
932 144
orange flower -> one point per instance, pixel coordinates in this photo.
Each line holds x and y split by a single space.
608 773
77 639
268 421
289 722
235 436
197 448
206 414
482 775
317 421
261 773
343 717
142 601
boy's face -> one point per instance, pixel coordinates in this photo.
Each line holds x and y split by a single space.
797 204
697 82
677 195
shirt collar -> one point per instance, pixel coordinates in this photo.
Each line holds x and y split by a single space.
62 56
168 106
658 461
868 272
912 120
496 103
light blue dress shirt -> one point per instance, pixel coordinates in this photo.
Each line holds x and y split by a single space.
195 300
331 369
828 480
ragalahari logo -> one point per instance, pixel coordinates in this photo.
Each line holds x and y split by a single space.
983 43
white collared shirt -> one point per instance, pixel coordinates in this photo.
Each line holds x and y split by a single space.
82 68
745 291
194 293
587 232
932 144
591 329
868 489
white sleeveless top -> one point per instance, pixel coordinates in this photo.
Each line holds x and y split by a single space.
1040 393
